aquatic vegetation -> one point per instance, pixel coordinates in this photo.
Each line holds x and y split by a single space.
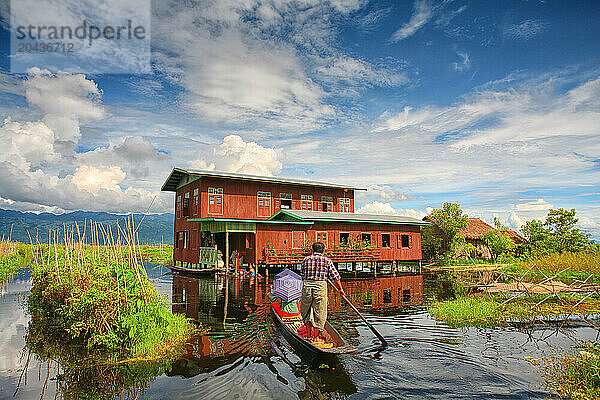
100 297
576 376
13 256
565 267
250 336
80 375
494 310
162 254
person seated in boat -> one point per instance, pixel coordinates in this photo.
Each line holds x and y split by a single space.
316 270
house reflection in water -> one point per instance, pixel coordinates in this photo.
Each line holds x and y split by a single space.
244 306
247 334
203 300
381 293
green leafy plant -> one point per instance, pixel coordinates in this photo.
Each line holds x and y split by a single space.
13 256
443 235
498 241
577 375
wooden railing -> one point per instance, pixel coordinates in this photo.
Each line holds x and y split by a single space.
295 256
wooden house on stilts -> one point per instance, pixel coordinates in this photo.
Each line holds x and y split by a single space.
274 221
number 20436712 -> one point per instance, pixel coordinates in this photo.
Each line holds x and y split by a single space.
43 47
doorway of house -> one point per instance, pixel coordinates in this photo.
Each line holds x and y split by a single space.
240 242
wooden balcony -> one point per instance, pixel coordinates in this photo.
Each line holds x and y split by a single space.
295 256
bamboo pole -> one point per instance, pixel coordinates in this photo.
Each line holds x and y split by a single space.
226 251
55 237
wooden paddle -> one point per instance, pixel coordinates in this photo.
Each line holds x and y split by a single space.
384 343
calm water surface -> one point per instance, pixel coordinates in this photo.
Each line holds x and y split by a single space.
240 354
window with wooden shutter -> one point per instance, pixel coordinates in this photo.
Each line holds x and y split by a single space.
344 205
264 204
365 238
186 205
215 201
404 241
195 206
406 295
181 240
385 240
307 201
322 237
327 203
344 239
285 201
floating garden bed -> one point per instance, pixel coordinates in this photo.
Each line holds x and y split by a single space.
99 297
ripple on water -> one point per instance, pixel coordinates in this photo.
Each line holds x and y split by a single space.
426 359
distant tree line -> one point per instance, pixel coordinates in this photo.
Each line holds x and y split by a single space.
557 234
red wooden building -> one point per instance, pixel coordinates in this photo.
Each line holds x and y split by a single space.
271 221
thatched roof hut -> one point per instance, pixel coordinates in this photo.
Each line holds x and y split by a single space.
474 232
476 228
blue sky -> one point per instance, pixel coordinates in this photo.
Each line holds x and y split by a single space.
494 105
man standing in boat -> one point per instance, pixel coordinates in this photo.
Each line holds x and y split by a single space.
316 269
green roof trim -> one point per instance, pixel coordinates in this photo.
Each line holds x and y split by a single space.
262 221
303 215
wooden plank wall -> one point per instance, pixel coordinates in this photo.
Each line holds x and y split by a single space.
240 197
280 237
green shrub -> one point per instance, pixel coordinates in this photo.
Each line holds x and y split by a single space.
576 376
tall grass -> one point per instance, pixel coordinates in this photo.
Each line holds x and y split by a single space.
98 294
13 255
580 262
565 267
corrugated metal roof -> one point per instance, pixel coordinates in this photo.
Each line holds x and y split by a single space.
245 220
306 215
172 181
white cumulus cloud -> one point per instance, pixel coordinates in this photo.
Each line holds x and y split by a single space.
67 102
378 207
535 205
93 179
39 168
383 193
236 155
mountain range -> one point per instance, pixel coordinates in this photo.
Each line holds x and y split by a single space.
155 229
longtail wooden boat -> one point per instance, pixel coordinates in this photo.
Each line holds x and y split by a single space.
194 271
289 330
